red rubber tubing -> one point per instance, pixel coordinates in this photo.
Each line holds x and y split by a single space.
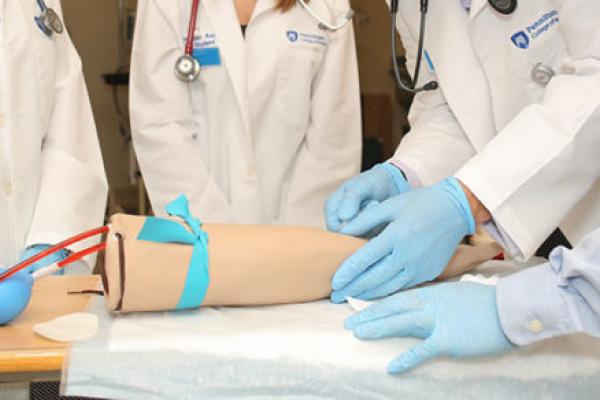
189 41
83 253
62 245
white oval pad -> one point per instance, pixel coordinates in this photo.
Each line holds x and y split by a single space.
69 328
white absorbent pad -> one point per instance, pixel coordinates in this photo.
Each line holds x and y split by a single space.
69 328
302 352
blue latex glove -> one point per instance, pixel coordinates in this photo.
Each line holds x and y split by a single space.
425 227
375 185
51 259
457 320
14 296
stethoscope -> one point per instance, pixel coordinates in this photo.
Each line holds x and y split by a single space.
505 7
48 21
187 68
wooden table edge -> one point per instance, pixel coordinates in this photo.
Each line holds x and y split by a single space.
50 360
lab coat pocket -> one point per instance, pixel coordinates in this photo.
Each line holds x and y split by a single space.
298 67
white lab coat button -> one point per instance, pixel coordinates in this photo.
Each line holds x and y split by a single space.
8 189
2 120
542 74
536 326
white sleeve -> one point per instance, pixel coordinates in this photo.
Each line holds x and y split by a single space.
163 127
531 185
73 187
436 146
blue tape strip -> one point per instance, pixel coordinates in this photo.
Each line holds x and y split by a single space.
207 56
197 281
166 231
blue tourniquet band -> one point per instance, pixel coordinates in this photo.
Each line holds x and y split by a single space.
161 230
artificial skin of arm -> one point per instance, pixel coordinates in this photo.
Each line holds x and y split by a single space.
249 265
155 264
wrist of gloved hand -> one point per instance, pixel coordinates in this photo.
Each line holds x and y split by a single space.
458 194
455 320
398 177
51 259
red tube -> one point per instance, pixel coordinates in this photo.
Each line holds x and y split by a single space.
83 253
189 41
60 246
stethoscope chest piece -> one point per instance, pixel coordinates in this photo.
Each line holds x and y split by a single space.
542 74
504 6
187 68
50 22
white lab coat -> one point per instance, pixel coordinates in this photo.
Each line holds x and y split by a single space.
262 138
529 152
52 181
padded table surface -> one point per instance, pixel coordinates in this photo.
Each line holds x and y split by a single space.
302 352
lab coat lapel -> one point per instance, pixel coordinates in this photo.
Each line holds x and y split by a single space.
461 79
476 7
23 68
262 6
223 19
15 34
171 11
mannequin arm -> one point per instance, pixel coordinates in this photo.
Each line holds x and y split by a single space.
248 265
273 264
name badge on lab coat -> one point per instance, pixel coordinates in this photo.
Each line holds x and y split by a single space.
207 56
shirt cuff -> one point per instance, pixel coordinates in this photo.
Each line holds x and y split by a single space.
411 176
533 306
504 216
502 237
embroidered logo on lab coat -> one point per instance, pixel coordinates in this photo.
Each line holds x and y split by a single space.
521 40
538 28
309 38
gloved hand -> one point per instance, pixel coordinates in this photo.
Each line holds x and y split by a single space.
51 259
457 320
14 296
375 185
425 228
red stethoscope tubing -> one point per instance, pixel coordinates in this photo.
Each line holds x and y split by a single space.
189 41
60 246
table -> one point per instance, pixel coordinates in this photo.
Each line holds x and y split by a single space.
301 351
27 357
